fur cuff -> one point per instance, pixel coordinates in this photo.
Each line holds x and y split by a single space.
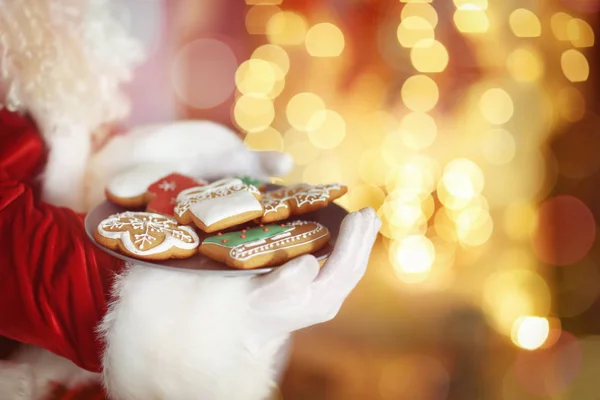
178 335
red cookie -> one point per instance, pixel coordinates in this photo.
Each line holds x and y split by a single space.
162 195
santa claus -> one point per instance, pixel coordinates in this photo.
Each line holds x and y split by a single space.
74 316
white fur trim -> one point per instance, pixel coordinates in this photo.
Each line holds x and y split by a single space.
178 335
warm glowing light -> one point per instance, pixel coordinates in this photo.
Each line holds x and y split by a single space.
372 168
520 220
499 147
412 257
296 144
525 65
511 293
416 174
575 66
571 104
430 56
559 23
413 30
420 93
286 28
277 56
471 19
474 226
253 114
421 10
580 33
524 23
263 2
463 178
326 129
257 18
418 131
302 107
255 77
497 106
325 40
474 4
365 196
268 139
530 333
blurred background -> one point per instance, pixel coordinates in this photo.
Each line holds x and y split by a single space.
470 125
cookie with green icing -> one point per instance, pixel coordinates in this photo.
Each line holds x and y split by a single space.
248 180
265 245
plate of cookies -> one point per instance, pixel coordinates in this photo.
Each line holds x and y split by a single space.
232 226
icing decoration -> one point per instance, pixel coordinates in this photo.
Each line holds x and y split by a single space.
144 233
251 181
298 195
259 242
134 182
218 201
234 239
164 192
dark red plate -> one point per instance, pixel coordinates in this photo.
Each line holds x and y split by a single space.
331 217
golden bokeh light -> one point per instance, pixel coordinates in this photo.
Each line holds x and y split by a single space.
510 294
524 23
496 106
580 33
253 114
365 196
277 56
478 4
421 10
286 28
559 23
263 2
530 333
498 147
417 174
474 226
429 56
255 77
258 16
525 65
571 104
418 131
463 178
470 18
413 30
296 144
412 258
575 66
302 107
420 93
326 129
372 168
268 139
323 170
325 40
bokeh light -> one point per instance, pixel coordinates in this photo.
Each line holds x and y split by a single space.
471 18
417 131
326 129
421 10
420 93
525 65
258 16
575 66
524 23
325 40
286 28
559 23
429 56
412 257
498 147
302 108
415 30
530 333
202 73
277 56
497 106
268 139
253 114
256 77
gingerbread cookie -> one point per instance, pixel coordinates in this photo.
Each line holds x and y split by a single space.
147 236
162 194
257 183
220 205
298 199
266 245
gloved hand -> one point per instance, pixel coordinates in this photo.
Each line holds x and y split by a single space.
298 294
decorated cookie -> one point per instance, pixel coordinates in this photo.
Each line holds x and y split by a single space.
220 205
147 236
162 195
298 199
266 245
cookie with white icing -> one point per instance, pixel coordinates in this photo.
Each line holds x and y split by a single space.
219 205
139 187
298 199
266 245
147 236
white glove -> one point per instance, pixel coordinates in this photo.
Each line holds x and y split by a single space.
298 295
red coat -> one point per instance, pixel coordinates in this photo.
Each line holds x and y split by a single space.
55 283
